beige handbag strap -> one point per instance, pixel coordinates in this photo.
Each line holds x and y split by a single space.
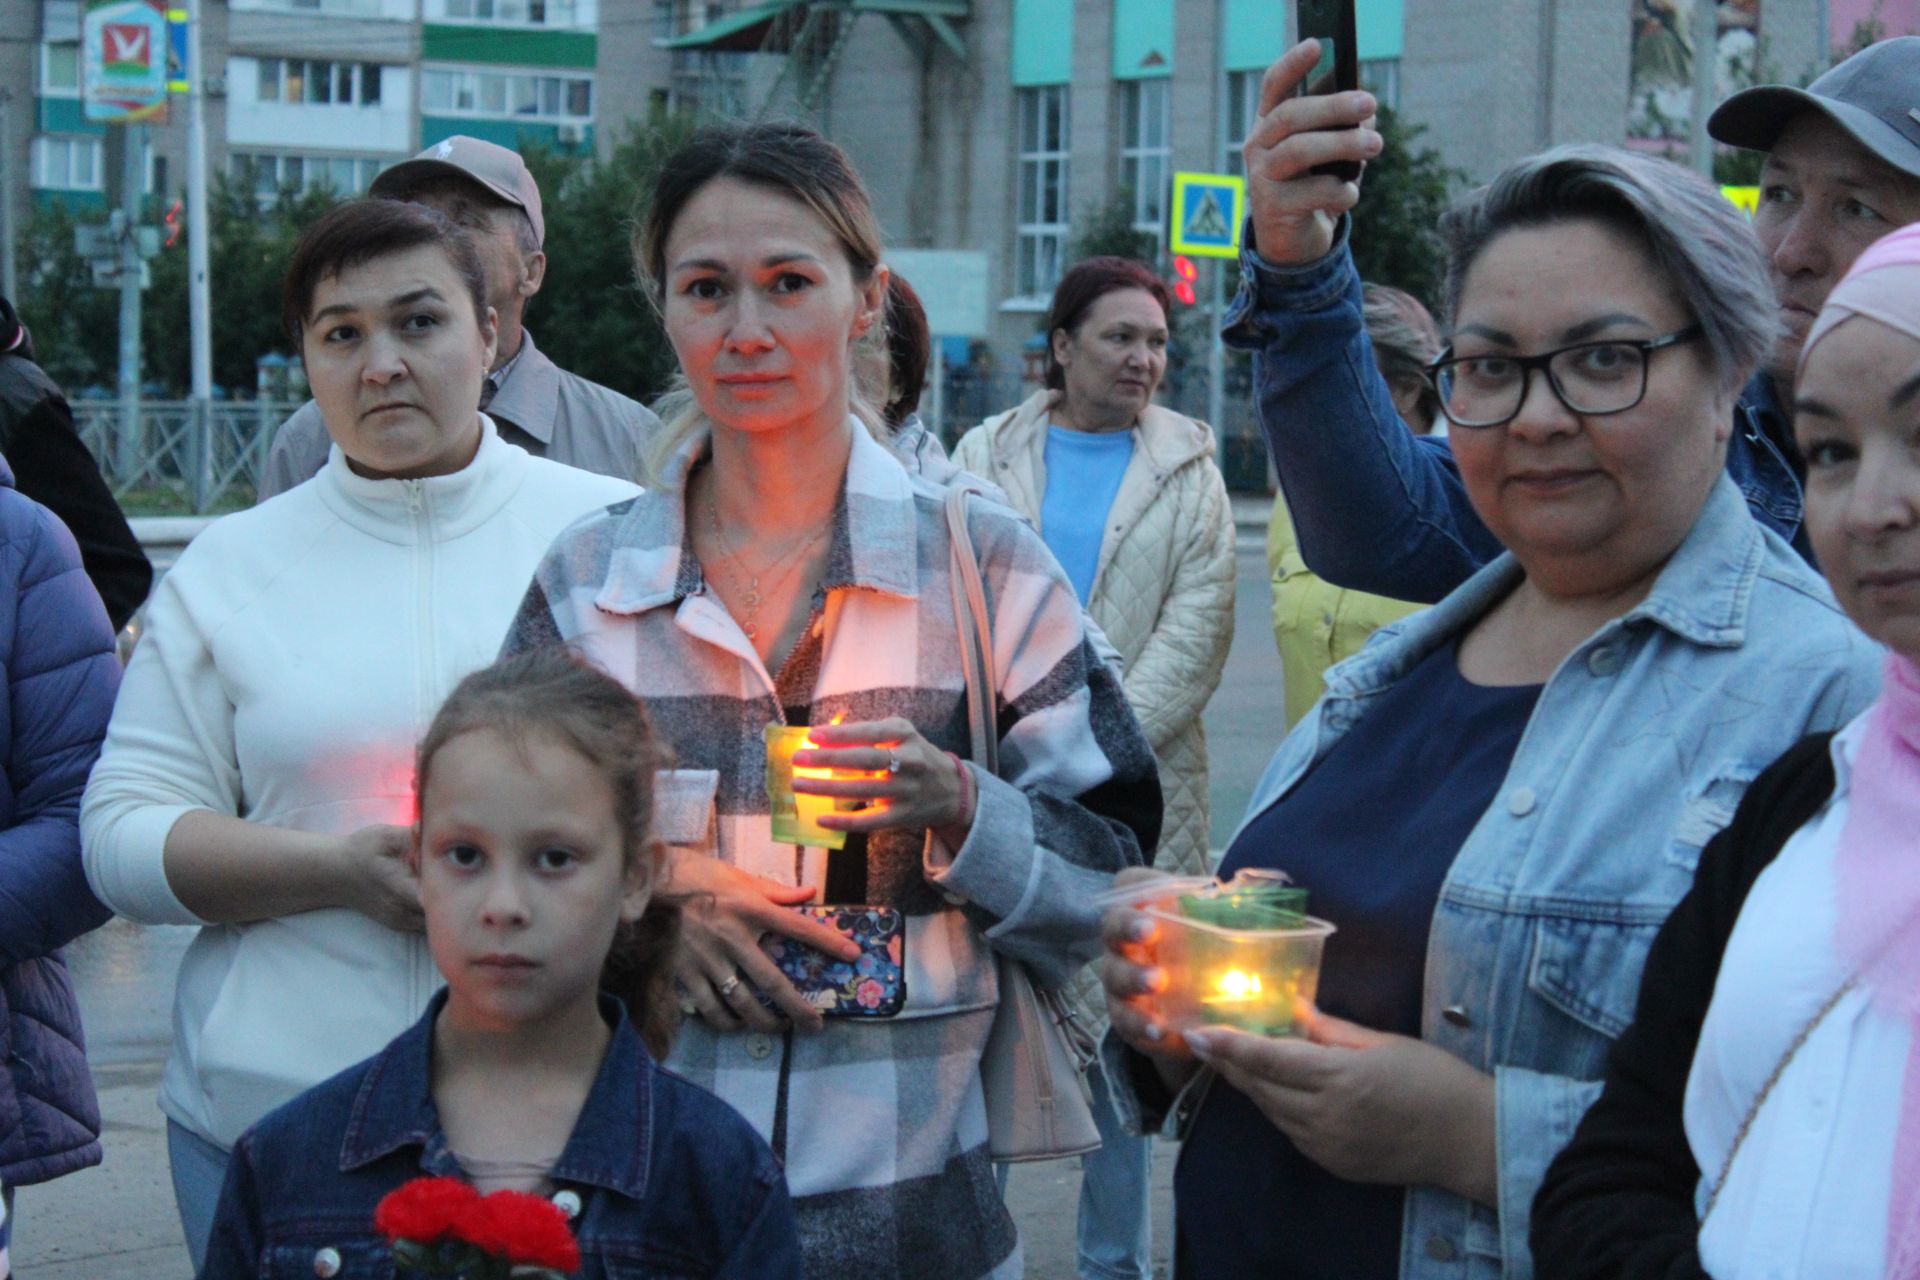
1766 1090
976 634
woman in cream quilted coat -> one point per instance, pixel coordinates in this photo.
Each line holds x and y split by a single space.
1127 495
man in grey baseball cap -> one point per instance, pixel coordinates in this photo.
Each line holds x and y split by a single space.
534 403
1843 169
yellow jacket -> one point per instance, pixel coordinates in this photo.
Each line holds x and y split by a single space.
1315 624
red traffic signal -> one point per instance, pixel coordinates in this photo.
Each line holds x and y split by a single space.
175 223
1184 274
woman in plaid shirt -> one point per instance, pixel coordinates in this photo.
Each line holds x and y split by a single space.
784 568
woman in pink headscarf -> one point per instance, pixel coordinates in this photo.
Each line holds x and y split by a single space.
1762 1115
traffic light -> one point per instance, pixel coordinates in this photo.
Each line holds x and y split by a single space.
176 222
1184 274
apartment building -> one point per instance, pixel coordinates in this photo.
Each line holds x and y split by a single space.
990 125
309 93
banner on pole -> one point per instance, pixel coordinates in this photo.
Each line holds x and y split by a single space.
123 55
1207 212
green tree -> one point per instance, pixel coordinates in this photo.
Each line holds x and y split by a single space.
75 323
1107 230
1396 237
250 250
591 315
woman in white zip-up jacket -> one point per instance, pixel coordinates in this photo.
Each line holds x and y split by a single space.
257 775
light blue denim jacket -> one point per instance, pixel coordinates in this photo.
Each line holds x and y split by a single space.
1638 750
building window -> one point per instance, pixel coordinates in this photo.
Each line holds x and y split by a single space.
506 95
701 80
313 82
271 172
60 70
1381 78
68 163
1243 108
1041 235
528 13
1145 152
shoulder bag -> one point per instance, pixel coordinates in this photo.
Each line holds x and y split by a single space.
1034 1069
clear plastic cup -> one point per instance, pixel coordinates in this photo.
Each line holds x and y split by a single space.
1249 961
796 815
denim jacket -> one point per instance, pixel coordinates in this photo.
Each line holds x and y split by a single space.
1376 508
1639 748
663 1179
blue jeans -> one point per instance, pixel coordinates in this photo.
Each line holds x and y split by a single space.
1116 1183
199 1170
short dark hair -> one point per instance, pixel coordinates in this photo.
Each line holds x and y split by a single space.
358 231
1085 284
909 350
551 691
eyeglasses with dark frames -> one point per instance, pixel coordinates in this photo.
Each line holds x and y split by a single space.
1590 378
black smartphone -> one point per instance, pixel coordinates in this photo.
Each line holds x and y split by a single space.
873 986
1331 22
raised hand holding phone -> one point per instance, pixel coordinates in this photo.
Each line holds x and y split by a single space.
1293 208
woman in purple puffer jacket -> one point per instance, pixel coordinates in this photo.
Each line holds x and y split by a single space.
56 653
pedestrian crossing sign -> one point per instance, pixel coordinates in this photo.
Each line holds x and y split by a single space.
1207 211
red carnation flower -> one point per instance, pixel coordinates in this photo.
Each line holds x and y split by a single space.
526 1230
423 1210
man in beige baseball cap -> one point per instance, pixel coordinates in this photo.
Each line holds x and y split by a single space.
534 403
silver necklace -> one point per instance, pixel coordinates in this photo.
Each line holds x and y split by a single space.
776 572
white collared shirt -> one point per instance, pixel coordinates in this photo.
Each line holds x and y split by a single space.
1807 1194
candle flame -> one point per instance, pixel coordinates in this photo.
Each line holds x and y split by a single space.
1238 985
808 744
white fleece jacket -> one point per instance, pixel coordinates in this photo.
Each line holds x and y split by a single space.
290 662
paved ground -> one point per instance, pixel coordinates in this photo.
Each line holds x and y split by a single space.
116 1222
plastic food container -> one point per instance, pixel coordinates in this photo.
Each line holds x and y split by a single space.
1243 954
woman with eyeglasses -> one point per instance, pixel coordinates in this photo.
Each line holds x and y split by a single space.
1499 800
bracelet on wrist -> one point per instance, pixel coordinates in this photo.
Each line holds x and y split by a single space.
966 791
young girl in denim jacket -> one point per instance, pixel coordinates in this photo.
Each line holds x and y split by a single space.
536 875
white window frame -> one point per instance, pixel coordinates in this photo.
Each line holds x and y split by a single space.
68 146
1240 107
45 86
1381 78
553 14
359 77
314 171
344 8
1146 151
475 85
1041 206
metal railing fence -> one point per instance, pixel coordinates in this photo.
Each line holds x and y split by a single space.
163 458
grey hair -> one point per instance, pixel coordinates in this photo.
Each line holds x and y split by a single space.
1698 241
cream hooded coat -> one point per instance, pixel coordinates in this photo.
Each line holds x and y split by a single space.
1163 589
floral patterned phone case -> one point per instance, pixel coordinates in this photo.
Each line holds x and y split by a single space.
873 986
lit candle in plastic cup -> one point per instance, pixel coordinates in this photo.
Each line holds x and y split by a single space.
796 815
1254 966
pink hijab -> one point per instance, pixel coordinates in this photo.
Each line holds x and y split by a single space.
1877 866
